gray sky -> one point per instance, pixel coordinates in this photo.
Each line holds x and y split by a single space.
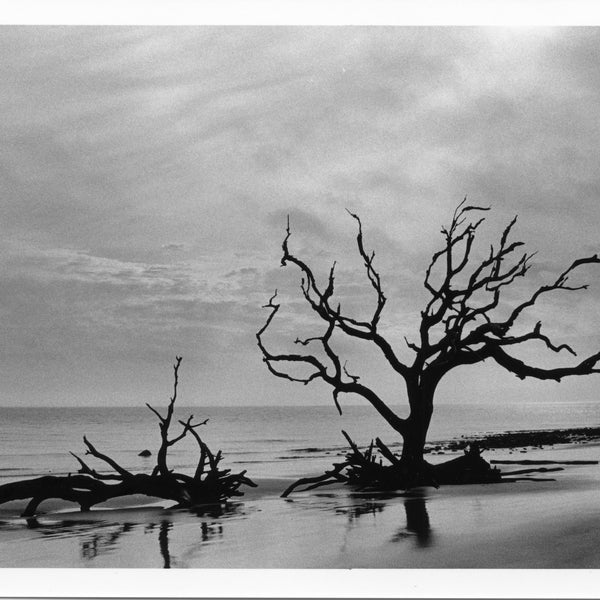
146 174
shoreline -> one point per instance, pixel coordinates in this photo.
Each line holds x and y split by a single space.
514 442
509 439
524 524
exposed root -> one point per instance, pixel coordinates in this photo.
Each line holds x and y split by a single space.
367 471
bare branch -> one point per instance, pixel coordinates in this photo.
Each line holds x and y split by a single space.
332 376
204 450
411 345
535 335
107 459
160 417
85 469
559 284
522 370
319 301
187 427
372 274
454 306
353 378
164 424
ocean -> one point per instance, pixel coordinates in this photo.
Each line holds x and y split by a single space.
268 442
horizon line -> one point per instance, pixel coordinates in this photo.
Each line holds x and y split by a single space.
301 405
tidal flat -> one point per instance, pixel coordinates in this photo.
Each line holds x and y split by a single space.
552 522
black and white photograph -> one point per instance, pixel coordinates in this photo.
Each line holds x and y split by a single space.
299 297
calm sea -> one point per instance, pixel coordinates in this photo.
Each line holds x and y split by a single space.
267 441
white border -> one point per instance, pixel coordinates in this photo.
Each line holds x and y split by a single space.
296 583
300 583
301 12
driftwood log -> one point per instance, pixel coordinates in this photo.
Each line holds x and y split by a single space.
208 485
367 471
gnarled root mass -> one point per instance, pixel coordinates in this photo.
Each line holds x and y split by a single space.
366 471
208 485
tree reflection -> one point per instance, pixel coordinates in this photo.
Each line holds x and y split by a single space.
417 526
358 510
417 521
163 542
98 537
208 532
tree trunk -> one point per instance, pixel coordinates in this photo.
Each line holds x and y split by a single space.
411 470
414 469
420 400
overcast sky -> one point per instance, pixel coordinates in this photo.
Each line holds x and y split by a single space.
146 175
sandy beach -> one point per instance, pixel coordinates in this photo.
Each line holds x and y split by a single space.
523 524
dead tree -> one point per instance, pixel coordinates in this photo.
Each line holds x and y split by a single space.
208 485
461 324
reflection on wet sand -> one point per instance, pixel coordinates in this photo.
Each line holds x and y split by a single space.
98 537
208 533
358 510
417 528
415 508
178 538
417 523
100 543
163 542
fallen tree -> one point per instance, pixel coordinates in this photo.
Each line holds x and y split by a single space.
465 321
208 485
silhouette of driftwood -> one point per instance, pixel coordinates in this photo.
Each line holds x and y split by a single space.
544 462
468 468
366 470
526 471
465 321
209 483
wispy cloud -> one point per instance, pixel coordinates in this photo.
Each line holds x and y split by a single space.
146 175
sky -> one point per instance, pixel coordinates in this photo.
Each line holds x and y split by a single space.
146 174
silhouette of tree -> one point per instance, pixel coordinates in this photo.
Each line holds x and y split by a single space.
460 325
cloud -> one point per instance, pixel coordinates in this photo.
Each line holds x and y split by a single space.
147 174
